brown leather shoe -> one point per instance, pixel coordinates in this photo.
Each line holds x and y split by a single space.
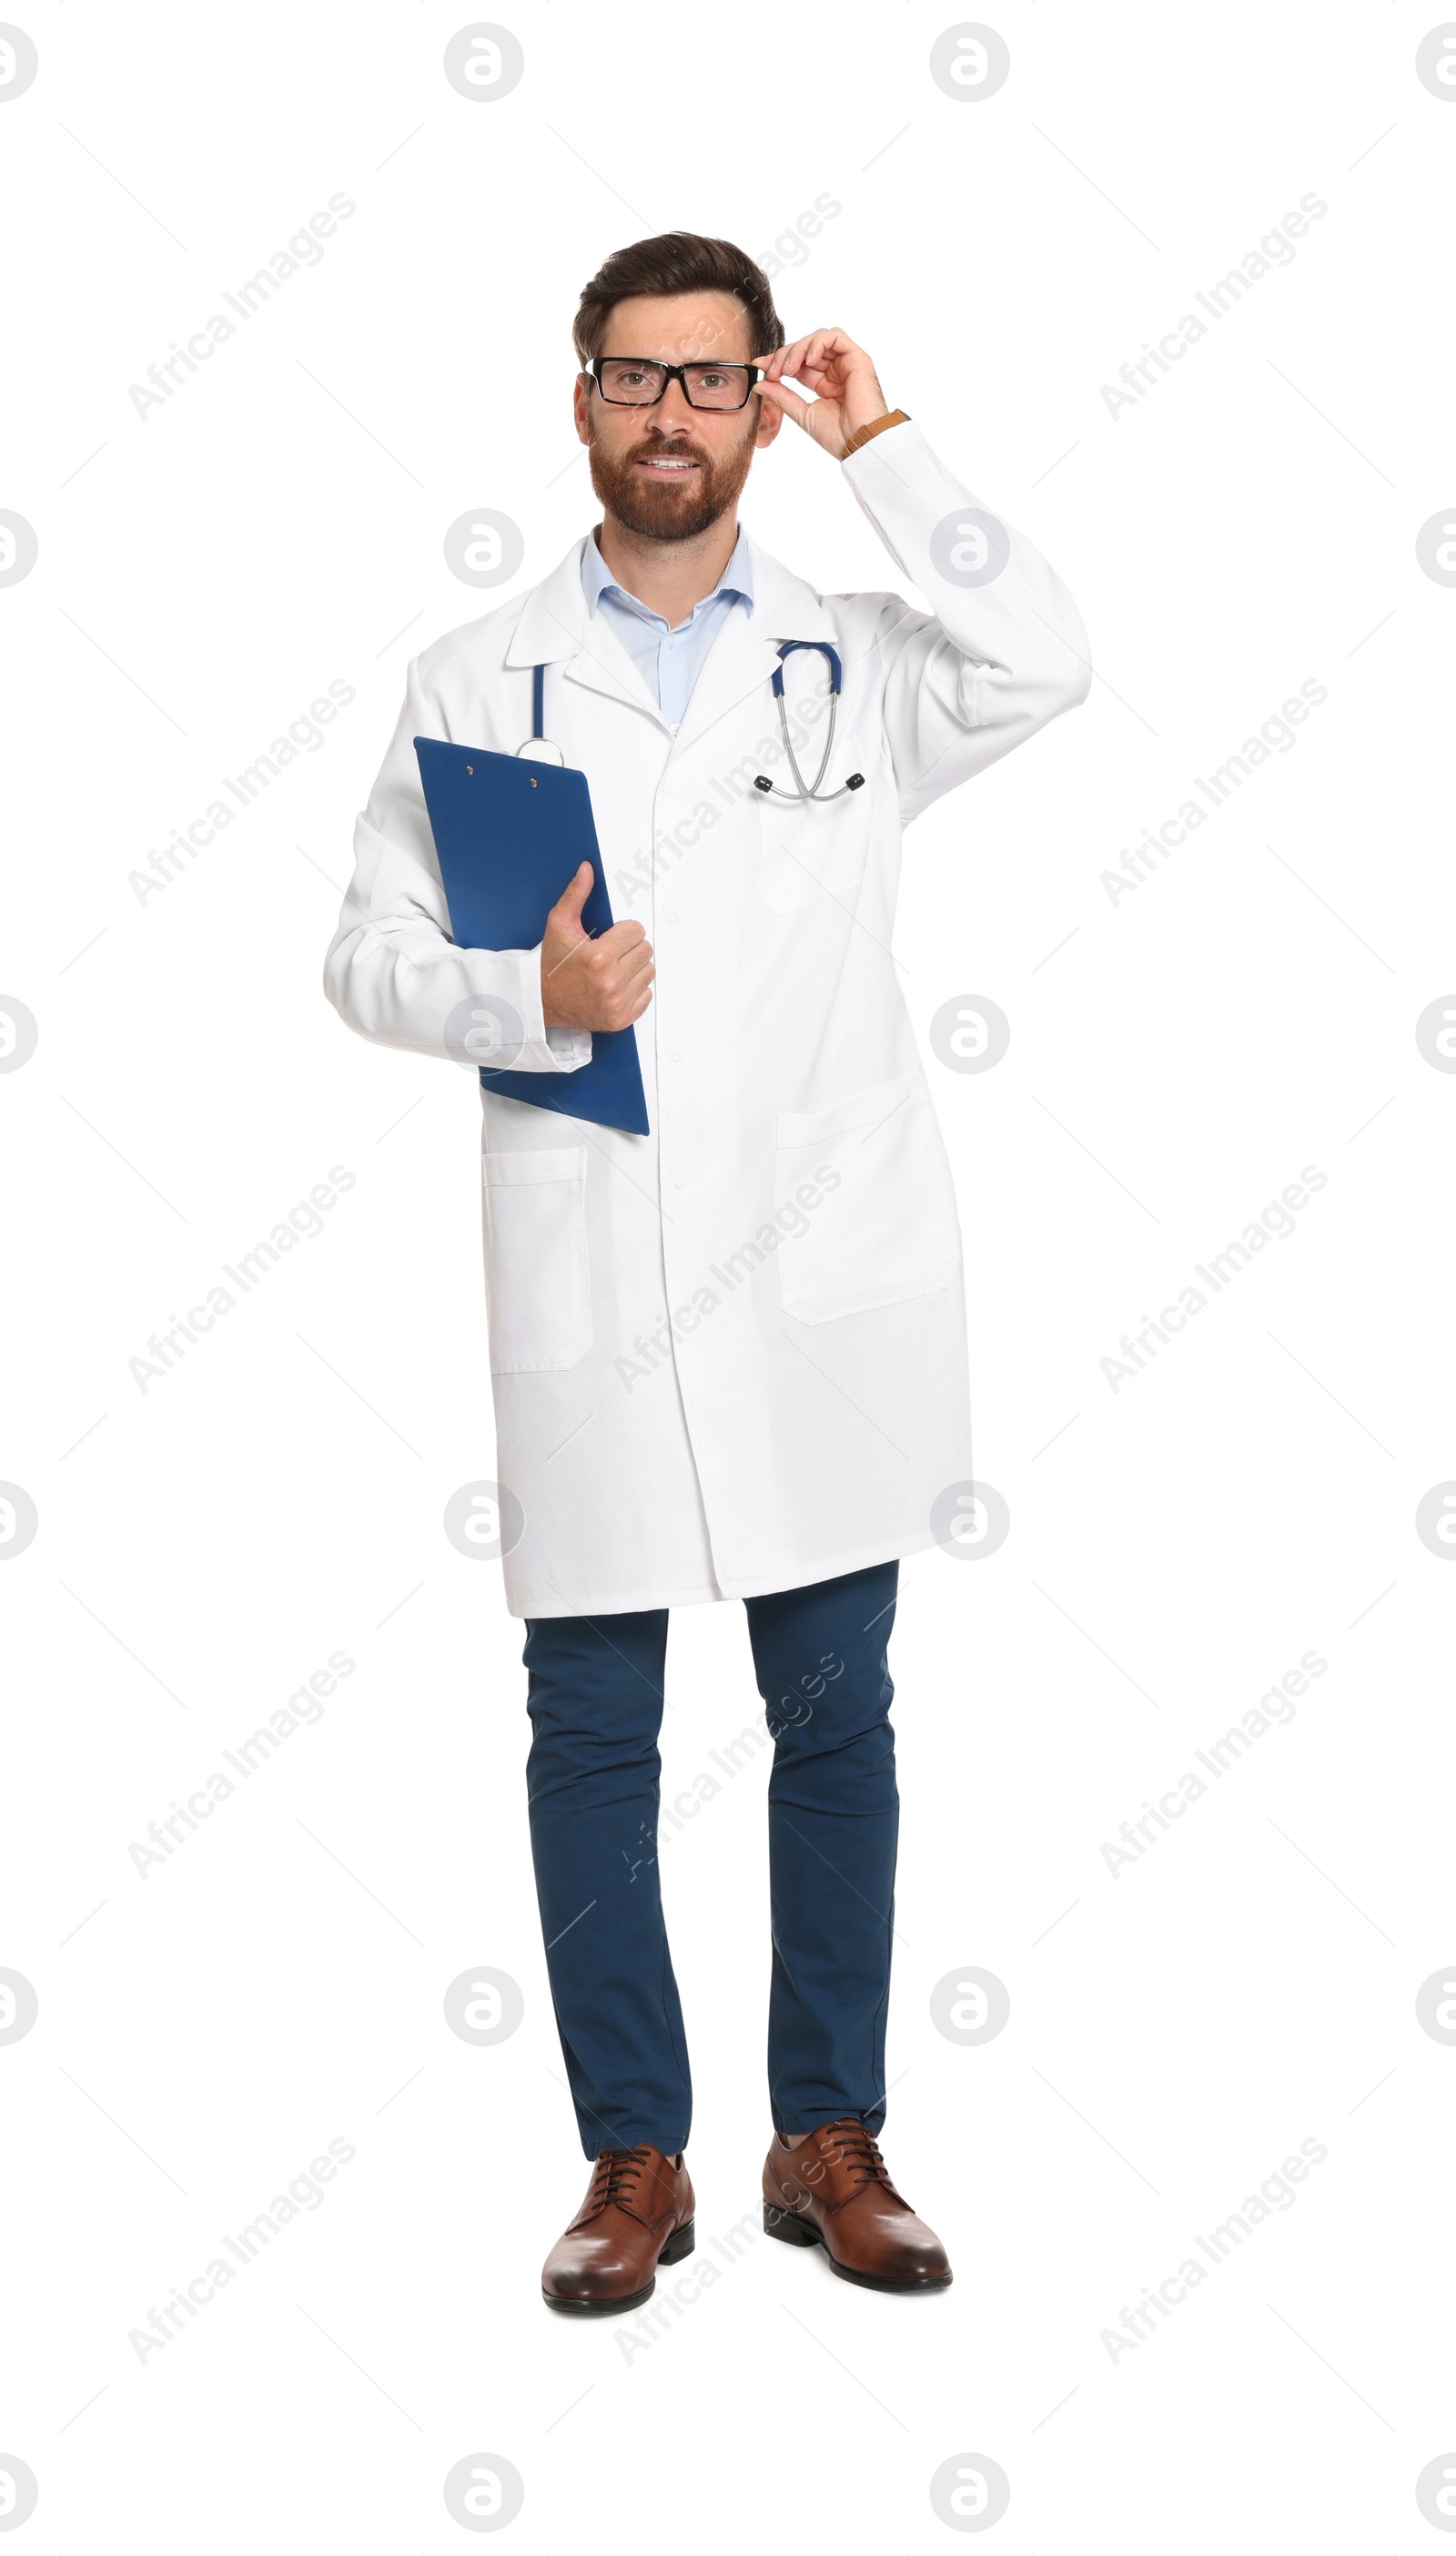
834 2190
638 2213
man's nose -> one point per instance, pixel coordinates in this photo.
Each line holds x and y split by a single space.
675 410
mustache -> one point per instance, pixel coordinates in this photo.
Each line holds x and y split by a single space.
668 449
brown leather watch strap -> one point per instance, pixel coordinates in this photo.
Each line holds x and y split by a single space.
862 434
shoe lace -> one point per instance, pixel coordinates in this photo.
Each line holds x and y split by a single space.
850 2144
616 2176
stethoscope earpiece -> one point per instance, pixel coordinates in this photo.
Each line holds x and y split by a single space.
856 781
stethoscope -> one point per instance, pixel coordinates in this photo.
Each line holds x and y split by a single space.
856 780
539 748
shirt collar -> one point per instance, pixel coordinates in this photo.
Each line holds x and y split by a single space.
736 582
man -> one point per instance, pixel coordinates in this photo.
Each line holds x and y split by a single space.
728 1357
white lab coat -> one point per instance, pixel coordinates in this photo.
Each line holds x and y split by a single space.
728 1356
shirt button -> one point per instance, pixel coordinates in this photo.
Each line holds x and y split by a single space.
677 1054
678 1185
671 918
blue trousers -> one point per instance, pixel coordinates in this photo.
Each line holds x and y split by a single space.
595 1701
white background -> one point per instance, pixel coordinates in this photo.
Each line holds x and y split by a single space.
1178 1057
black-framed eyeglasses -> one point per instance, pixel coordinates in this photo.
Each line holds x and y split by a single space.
638 381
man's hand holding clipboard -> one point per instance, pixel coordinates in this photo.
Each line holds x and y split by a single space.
586 984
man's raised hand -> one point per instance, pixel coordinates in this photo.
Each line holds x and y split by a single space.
845 386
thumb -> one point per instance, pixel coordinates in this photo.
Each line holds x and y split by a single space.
573 896
787 402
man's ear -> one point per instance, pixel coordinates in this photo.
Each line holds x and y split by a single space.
770 418
582 407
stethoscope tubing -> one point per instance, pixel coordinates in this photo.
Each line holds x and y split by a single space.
820 797
823 797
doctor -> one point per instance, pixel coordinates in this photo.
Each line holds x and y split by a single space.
728 1357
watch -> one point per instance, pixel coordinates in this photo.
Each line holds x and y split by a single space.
877 425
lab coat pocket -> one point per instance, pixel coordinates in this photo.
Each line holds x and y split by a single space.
871 1180
809 849
537 1279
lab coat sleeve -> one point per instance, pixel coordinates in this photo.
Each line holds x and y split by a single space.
989 664
392 972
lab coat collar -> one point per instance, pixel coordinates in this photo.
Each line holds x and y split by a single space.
554 620
554 616
555 628
785 606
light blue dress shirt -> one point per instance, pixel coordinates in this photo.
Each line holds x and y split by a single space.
669 661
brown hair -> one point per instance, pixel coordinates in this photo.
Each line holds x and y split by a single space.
678 261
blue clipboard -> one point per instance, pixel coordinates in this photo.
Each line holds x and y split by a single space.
509 834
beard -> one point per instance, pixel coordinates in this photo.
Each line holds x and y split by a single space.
660 510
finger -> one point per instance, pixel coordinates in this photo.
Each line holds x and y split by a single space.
811 352
828 346
624 1004
787 402
821 419
817 348
611 960
574 895
614 967
622 936
831 377
787 360
631 974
